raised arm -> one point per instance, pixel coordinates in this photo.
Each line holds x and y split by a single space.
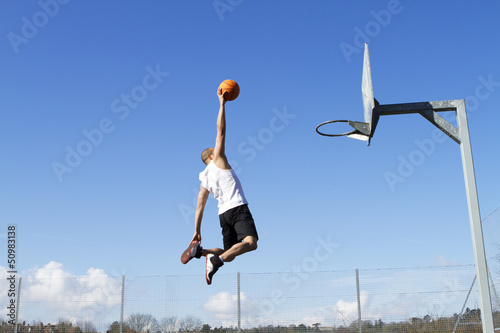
220 158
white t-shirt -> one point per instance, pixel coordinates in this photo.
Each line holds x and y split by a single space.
225 186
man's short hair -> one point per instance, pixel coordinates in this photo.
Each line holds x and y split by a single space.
205 154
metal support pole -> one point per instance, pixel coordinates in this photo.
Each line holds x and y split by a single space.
475 221
359 302
122 301
239 305
18 303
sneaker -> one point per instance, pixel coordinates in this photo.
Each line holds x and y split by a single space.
213 264
194 250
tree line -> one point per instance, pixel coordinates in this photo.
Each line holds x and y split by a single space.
467 322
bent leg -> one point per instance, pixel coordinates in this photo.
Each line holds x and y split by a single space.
215 251
249 243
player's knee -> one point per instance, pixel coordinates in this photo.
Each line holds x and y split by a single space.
252 244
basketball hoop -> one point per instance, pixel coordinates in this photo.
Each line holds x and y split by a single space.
361 131
334 135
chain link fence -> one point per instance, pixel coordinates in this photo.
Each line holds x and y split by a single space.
424 299
410 299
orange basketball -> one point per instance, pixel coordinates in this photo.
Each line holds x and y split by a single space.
232 88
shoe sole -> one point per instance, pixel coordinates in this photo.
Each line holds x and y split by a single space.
186 255
209 281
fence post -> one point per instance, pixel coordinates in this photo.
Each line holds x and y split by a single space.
239 304
18 300
359 302
122 301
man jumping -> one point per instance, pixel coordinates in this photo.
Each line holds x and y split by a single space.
238 228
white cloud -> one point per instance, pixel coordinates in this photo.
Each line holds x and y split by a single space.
442 261
223 306
51 293
342 313
349 310
4 287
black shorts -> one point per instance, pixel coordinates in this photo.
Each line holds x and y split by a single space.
236 224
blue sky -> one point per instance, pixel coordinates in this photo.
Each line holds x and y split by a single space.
106 107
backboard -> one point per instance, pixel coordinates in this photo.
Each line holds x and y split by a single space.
367 88
361 130
367 128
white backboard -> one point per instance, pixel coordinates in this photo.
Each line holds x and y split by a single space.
367 89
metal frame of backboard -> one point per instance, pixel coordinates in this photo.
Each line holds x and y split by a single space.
429 110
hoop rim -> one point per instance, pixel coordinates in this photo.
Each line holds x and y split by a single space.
334 135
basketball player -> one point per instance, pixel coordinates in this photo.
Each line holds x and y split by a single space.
238 228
